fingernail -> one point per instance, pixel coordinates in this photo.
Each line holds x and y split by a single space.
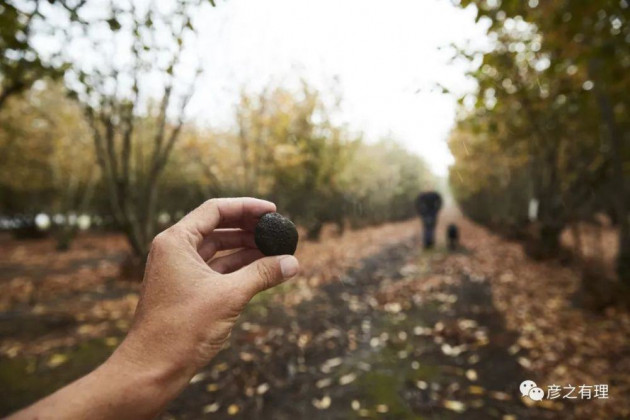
289 266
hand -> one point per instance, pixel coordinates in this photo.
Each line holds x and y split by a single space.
190 301
188 306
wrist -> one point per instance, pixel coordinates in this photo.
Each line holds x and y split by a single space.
147 386
119 389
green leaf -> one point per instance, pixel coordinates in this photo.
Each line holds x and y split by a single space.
113 23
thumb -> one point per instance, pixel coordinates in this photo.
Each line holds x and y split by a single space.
268 272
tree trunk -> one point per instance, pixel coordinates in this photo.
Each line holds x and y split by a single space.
551 222
549 240
577 240
314 231
551 212
64 238
616 155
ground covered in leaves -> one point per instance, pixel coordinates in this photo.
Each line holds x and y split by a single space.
373 328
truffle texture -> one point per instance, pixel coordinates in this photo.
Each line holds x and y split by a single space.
276 235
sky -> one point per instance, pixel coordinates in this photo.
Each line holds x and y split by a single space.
384 59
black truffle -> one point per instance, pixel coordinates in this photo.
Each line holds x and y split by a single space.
276 235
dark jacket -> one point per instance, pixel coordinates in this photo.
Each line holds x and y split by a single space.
428 204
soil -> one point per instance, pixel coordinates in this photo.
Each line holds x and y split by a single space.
347 354
374 327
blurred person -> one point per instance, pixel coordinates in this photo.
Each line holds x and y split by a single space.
188 305
428 206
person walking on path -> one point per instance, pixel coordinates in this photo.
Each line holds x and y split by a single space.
428 206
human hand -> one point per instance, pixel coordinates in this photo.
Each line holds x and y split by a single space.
188 306
190 301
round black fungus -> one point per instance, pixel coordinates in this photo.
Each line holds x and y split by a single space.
276 235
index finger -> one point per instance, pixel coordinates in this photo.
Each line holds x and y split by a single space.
217 213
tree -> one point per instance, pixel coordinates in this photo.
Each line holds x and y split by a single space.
286 145
21 64
552 90
291 151
46 160
133 136
382 181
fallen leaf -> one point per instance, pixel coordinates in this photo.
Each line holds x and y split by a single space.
501 396
198 377
382 408
347 379
246 357
323 383
476 390
211 408
262 388
322 404
331 363
457 406
57 359
233 409
471 375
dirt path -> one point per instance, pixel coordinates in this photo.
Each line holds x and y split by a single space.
61 314
373 328
369 347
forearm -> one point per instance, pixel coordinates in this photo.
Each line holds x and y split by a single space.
119 389
186 312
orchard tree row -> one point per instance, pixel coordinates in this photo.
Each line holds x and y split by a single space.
109 137
283 146
549 123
